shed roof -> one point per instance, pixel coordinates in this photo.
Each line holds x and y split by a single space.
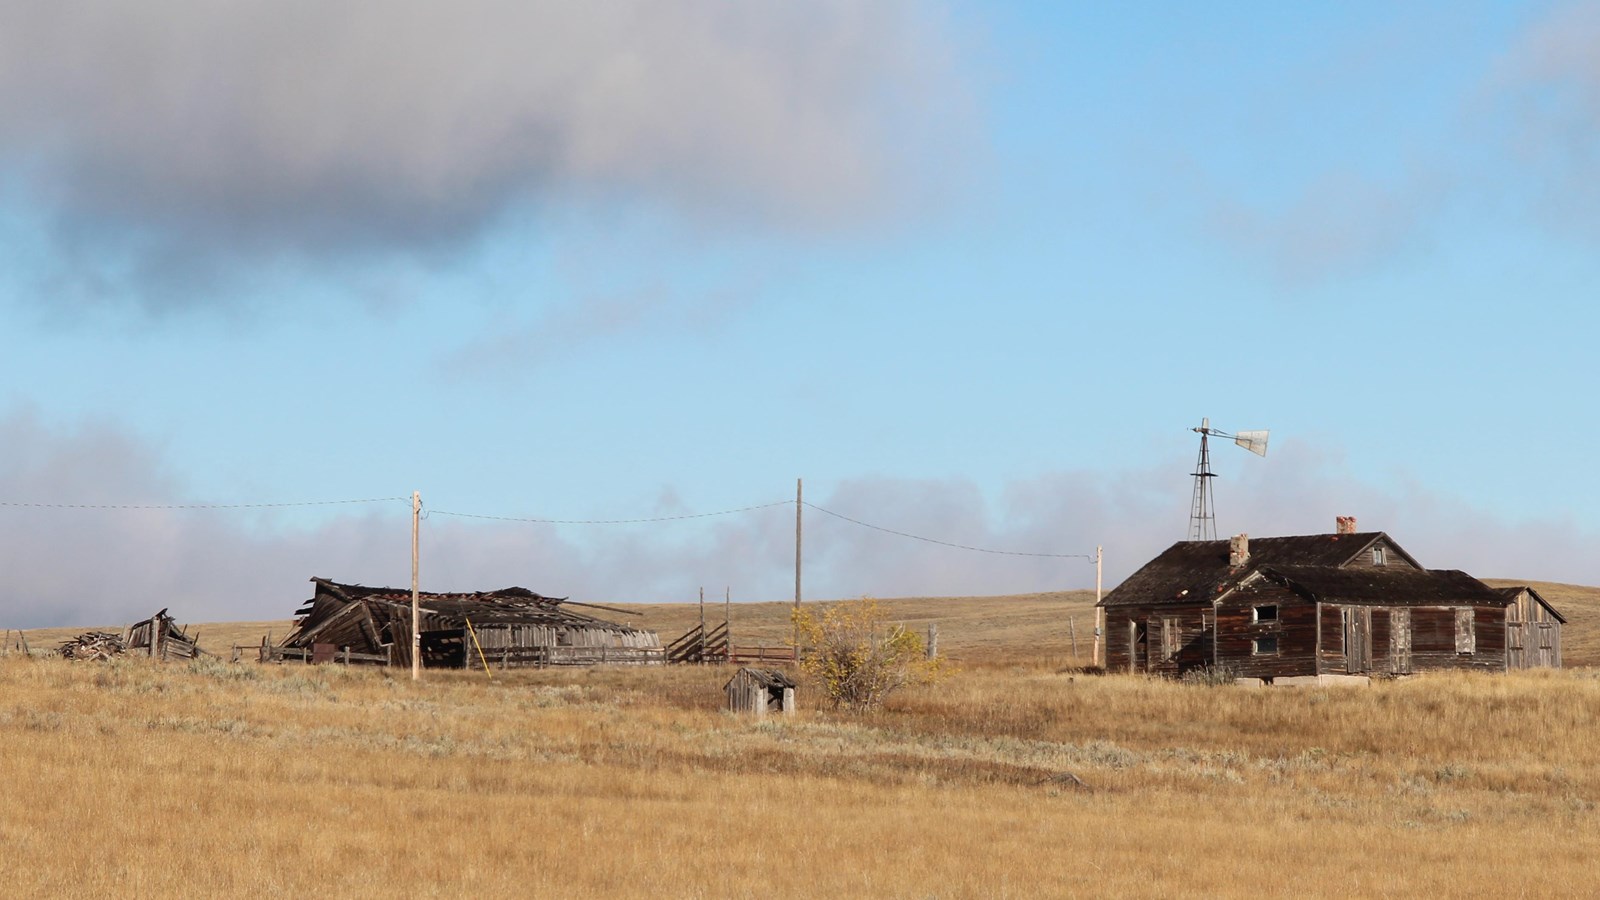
1198 571
1516 590
767 678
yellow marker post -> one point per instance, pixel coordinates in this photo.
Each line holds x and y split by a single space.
474 633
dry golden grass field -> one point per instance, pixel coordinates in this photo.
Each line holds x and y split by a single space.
149 780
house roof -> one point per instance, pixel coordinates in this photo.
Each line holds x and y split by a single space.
1385 584
1516 590
1191 571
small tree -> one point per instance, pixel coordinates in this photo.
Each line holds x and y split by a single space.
856 656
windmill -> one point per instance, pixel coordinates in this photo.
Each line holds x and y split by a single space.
1202 512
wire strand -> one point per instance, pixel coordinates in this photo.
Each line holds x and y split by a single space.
705 515
918 537
20 505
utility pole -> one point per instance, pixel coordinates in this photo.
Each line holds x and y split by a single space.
1099 614
799 505
416 613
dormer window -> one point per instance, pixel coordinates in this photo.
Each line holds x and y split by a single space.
1378 558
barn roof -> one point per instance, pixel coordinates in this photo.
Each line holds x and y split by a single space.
1191 571
359 613
1513 592
1388 585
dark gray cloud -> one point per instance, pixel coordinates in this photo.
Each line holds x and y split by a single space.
176 138
89 567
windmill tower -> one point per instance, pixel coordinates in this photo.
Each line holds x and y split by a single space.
1202 510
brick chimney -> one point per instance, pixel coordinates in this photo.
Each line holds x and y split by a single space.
1344 525
1238 550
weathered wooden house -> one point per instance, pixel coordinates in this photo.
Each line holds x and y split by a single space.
507 628
1312 608
1533 630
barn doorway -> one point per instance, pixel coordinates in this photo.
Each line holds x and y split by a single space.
1357 639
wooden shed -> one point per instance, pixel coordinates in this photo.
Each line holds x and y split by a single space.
507 628
1317 608
760 691
1533 630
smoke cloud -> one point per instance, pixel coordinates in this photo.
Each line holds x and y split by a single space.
108 566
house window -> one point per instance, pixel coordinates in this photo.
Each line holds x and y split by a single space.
1266 613
1266 645
1466 636
1378 558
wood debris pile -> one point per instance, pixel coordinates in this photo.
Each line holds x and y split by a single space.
93 645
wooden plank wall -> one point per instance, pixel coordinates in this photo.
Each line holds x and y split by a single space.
1533 635
1433 640
1192 637
1295 628
1391 559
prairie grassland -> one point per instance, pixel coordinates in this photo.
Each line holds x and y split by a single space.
141 779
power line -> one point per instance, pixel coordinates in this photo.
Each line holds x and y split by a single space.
705 515
20 505
12 504
918 537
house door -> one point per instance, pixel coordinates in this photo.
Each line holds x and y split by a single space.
1138 645
1357 639
1400 641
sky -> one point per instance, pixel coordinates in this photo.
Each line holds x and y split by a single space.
973 271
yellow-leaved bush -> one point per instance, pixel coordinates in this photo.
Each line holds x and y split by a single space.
856 656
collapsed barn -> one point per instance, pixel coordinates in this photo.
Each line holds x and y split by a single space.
509 628
161 637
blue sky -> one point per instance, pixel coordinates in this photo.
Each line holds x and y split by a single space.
971 270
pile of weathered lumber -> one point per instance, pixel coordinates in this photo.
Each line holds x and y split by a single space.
93 645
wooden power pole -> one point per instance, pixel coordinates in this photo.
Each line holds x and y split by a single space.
799 505
416 613
1099 614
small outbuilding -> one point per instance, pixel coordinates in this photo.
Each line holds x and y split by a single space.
760 691
1533 630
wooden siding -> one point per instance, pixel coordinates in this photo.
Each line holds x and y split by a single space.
1311 638
1391 558
1533 634
1433 637
1184 630
1295 629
